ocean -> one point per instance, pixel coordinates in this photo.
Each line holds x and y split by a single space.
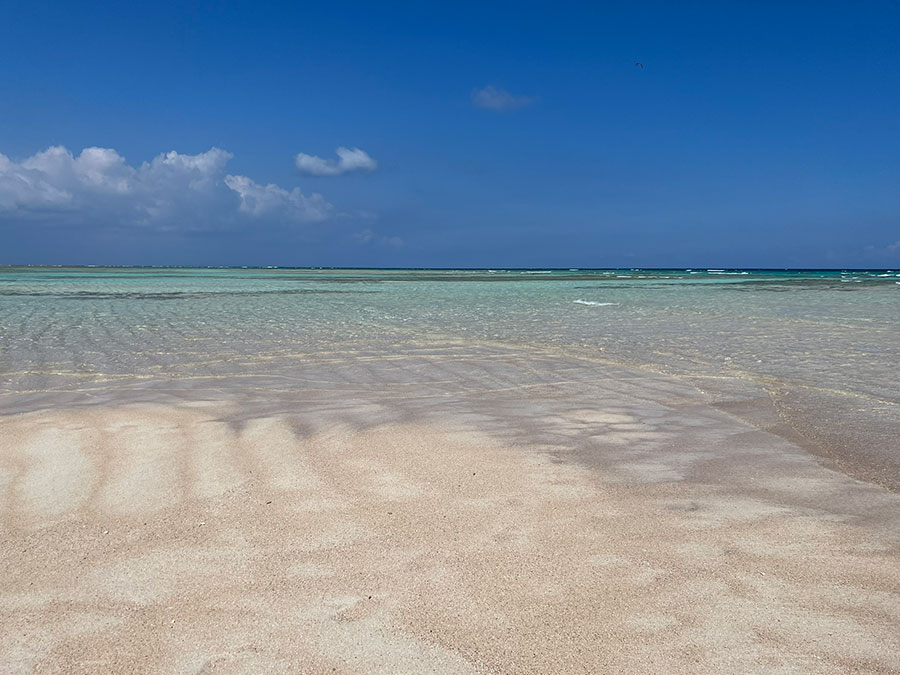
813 355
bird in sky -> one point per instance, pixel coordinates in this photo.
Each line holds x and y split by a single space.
638 63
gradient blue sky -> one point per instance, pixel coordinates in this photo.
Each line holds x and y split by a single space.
757 134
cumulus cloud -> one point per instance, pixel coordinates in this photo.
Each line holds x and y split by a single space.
349 159
494 98
173 190
263 200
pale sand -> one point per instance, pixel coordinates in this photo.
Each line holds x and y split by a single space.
195 538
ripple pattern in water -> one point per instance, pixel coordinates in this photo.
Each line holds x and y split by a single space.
824 344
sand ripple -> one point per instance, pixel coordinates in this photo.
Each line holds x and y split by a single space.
161 538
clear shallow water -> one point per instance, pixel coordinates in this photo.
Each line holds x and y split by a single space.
825 345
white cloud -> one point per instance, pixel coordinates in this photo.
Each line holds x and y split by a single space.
262 200
493 98
171 191
349 159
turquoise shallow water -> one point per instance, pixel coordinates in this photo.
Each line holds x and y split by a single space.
823 343
820 327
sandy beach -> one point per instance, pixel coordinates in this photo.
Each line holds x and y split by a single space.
403 517
492 338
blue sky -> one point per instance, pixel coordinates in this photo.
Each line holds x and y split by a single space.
482 134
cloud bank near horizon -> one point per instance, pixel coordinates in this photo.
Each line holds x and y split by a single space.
349 160
172 191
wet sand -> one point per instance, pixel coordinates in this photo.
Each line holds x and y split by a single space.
450 513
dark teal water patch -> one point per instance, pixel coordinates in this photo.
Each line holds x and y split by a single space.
175 295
